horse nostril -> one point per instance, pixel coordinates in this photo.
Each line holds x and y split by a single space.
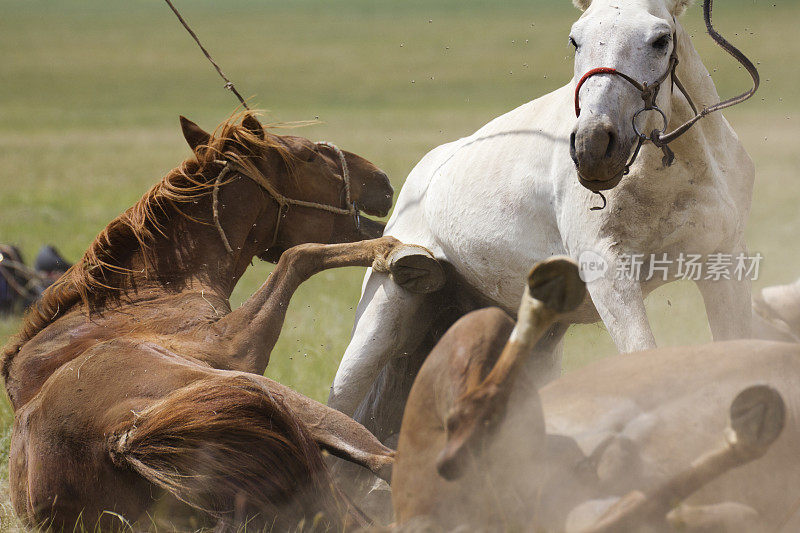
572 152
612 144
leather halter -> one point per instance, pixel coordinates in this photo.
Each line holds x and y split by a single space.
283 202
650 91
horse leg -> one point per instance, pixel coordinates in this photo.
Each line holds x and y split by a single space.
620 304
721 517
554 288
545 365
776 313
335 432
728 307
390 322
423 321
251 331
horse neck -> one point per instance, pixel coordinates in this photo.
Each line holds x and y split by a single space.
191 255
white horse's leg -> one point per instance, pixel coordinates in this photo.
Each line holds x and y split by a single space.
728 307
620 304
387 326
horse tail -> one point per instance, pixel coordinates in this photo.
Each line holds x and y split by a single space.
231 450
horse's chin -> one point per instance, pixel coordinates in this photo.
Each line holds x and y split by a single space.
271 255
601 185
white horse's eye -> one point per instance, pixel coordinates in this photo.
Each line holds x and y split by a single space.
572 42
662 42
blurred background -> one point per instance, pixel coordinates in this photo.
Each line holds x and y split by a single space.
90 93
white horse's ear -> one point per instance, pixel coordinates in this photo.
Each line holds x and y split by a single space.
680 7
583 5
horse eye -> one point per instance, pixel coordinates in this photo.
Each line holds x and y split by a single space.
573 43
661 42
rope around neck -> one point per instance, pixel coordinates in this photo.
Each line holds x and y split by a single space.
283 202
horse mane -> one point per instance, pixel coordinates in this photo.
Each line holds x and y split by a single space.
100 276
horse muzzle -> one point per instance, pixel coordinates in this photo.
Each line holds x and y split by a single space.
598 154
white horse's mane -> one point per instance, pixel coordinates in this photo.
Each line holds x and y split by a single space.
677 7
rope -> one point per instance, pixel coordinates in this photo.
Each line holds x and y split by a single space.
708 6
228 83
215 206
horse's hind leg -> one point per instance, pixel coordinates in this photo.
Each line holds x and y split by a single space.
336 432
390 322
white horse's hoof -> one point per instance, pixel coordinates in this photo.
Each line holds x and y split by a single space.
415 269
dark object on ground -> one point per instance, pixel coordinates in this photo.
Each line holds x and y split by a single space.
21 285
49 261
15 291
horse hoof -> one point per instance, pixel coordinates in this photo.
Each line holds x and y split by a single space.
557 284
415 269
758 414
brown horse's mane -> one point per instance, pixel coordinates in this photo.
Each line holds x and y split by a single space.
100 276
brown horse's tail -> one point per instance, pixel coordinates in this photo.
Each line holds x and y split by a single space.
231 450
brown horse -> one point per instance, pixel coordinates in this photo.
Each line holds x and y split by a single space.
134 383
615 446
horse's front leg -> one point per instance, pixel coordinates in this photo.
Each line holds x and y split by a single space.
250 332
728 307
620 304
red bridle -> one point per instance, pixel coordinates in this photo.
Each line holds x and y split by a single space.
594 71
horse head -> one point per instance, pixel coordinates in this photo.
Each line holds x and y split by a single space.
315 192
634 39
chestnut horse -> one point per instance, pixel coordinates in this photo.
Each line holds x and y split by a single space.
615 446
134 383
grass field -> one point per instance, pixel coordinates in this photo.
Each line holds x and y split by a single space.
90 93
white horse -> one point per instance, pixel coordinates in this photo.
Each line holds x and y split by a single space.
494 203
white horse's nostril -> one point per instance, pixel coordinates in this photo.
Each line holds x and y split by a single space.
595 149
612 143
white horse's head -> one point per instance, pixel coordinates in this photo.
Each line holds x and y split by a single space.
634 37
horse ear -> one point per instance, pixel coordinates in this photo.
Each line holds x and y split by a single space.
194 134
583 5
680 7
251 124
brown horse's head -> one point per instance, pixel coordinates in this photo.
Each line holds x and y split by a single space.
302 170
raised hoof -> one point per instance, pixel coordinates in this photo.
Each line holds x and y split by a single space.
556 283
415 269
757 415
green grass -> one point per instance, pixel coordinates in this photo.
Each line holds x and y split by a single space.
90 93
